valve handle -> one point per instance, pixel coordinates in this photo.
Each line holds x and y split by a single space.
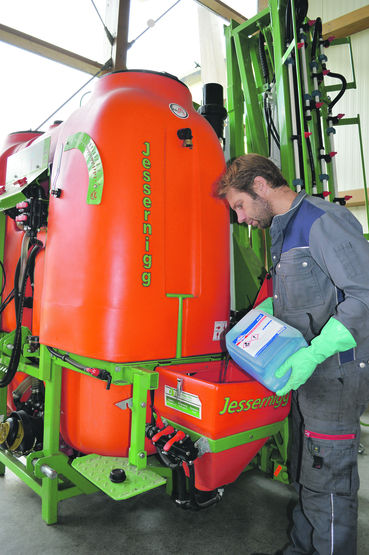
164 432
179 435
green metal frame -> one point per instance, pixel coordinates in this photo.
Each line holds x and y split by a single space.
180 298
356 121
65 482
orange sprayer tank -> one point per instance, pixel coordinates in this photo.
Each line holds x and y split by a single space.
110 268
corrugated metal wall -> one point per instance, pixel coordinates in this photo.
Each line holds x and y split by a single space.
353 102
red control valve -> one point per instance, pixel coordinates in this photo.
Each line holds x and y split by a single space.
164 432
179 435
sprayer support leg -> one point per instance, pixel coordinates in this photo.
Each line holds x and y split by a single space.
3 412
49 500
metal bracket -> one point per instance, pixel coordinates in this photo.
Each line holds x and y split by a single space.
125 404
203 446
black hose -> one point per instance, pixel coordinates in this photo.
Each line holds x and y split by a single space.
19 298
272 131
266 114
179 491
224 368
6 301
97 372
194 502
342 91
311 161
316 37
66 358
16 286
165 459
301 9
152 401
263 60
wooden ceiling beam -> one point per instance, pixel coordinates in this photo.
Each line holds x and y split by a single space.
348 24
117 21
222 9
47 50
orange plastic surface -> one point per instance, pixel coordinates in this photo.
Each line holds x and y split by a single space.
157 231
214 470
231 400
91 421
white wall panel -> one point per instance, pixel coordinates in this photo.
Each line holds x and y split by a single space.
354 101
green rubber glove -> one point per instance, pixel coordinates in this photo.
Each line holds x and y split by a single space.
333 338
266 305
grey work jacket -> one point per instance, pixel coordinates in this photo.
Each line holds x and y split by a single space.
321 269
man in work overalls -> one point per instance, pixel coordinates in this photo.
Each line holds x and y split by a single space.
321 287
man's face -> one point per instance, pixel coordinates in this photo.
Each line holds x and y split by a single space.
256 212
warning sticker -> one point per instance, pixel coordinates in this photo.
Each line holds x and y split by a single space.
259 335
183 402
219 328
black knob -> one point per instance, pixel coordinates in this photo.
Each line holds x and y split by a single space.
117 475
56 192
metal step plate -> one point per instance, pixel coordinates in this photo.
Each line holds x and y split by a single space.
97 468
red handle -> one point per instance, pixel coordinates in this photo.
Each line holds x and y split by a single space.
179 435
163 432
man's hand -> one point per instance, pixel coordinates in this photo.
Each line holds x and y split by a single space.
333 338
302 365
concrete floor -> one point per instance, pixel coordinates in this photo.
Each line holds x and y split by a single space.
252 517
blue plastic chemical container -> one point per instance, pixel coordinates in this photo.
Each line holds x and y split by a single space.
260 344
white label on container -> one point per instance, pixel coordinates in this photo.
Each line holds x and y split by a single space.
259 335
219 327
183 402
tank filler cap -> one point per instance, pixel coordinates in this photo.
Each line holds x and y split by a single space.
185 135
117 475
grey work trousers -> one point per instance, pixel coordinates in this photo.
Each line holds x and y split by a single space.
324 447
324 524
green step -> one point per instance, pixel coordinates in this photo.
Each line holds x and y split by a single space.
97 468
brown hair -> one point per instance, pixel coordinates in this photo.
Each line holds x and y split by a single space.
242 172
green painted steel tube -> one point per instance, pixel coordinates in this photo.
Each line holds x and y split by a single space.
180 298
228 442
356 121
19 469
141 385
282 88
363 170
3 409
300 102
52 402
235 99
253 115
